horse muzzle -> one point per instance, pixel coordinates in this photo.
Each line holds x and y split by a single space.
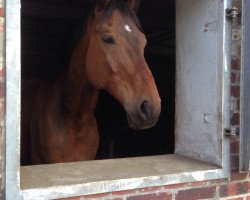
144 116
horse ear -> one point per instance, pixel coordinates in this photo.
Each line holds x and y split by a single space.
134 4
100 5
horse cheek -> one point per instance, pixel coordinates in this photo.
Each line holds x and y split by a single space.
91 68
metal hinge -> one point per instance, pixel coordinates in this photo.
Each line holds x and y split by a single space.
232 132
233 14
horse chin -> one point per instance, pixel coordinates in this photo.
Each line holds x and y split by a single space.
138 124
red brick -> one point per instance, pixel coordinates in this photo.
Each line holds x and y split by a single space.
175 186
234 162
236 176
235 91
239 198
2 89
234 145
248 198
124 192
234 189
235 64
235 120
150 189
156 196
1 12
200 183
219 181
197 193
96 196
2 71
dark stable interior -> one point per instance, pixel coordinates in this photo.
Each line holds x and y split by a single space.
48 31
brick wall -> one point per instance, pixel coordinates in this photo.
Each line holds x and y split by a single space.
2 99
235 86
237 187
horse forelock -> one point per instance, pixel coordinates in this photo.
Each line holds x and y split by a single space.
124 10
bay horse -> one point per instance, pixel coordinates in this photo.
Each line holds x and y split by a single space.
58 123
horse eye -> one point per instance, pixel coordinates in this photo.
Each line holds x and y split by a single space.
109 39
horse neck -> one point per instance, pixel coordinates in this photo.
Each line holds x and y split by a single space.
79 95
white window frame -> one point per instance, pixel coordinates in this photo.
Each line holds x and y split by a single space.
106 175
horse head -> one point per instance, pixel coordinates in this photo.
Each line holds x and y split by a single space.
115 62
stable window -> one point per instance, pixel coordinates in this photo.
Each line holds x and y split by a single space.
202 102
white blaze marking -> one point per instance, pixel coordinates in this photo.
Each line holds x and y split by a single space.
127 28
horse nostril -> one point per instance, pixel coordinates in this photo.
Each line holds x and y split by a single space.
145 110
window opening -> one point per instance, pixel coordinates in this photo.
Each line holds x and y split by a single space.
47 41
